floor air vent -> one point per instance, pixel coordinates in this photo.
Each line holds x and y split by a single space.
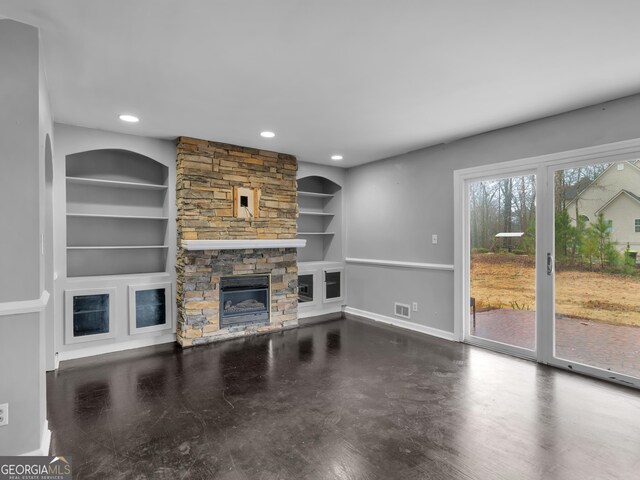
402 310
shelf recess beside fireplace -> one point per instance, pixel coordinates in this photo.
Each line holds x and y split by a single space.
245 300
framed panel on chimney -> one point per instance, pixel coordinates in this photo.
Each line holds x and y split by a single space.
246 202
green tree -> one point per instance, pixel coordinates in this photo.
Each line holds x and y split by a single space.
600 230
588 247
528 243
613 257
578 234
565 233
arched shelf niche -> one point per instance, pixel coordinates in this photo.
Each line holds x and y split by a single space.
116 213
319 219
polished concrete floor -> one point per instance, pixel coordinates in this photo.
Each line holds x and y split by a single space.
339 400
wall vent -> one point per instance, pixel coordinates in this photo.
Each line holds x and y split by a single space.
402 310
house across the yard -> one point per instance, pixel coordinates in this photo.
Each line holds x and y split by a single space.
616 194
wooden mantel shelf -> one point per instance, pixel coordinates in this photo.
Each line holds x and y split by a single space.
242 244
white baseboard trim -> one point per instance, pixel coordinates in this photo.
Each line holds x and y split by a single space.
435 332
115 347
321 310
45 444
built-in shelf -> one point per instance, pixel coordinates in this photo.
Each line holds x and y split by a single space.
117 247
130 217
129 276
325 214
114 183
117 210
314 194
319 202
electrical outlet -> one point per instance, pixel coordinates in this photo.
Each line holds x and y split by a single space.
415 306
434 238
4 414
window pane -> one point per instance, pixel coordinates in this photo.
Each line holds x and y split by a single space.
502 221
597 282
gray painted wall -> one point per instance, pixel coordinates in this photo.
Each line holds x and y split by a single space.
21 371
393 206
19 187
24 124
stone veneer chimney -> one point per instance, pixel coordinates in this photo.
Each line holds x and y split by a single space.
207 173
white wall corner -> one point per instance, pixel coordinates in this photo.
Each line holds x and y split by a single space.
45 443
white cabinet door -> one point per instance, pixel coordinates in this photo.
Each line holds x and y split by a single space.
309 289
333 290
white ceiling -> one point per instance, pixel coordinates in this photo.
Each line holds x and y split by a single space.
365 78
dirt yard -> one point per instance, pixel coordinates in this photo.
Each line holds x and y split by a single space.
508 281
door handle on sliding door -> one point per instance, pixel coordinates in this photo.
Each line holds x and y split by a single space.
549 264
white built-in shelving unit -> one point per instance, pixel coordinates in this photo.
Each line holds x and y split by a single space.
116 213
318 207
117 217
114 240
320 267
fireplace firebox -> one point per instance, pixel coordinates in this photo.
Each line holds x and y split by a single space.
244 300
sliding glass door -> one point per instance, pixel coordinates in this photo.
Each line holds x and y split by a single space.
502 263
596 279
549 262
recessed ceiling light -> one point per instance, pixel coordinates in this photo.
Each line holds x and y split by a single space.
336 157
129 118
267 134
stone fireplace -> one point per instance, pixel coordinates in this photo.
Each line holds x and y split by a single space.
237 270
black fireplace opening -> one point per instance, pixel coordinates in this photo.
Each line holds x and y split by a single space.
244 300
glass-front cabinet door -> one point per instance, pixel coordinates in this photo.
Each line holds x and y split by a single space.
309 289
333 284
306 284
150 308
89 314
